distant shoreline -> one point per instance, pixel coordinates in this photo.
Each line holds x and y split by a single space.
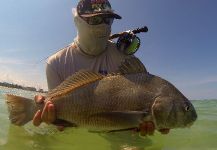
26 88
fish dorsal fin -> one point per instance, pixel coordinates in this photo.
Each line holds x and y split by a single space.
73 82
132 65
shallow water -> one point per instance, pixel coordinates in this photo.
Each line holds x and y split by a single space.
201 136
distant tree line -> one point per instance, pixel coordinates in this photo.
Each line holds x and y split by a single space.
10 85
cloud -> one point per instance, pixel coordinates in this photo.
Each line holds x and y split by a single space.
12 61
201 81
208 80
12 50
22 72
18 78
200 87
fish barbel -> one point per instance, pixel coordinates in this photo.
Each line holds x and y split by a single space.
117 101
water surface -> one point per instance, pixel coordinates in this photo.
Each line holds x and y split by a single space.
201 136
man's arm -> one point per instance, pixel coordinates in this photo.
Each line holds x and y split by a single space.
53 78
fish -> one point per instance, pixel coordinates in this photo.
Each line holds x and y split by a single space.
118 101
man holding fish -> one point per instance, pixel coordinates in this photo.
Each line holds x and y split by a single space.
90 50
130 99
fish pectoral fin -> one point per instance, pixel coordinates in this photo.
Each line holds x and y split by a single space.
79 79
60 122
124 113
111 131
129 117
126 129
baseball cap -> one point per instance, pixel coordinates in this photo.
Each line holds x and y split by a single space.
91 8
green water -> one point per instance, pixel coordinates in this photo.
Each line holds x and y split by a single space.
201 136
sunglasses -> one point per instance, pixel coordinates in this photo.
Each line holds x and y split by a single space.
96 20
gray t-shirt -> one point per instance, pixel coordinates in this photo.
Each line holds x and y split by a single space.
71 59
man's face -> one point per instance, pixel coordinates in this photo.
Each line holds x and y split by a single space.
96 20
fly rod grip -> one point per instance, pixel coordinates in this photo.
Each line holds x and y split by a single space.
139 30
136 31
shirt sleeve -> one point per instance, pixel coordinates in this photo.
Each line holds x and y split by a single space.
53 79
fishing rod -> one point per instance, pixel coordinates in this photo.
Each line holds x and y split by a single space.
114 36
135 31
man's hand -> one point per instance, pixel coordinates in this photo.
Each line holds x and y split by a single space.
47 115
148 128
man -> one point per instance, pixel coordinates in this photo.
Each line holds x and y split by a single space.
91 50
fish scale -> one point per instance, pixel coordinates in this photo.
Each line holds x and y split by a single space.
99 102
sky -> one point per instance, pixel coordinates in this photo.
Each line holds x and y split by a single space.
181 45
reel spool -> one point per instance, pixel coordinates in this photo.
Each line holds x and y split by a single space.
128 43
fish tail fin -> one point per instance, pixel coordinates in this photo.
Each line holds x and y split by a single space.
21 110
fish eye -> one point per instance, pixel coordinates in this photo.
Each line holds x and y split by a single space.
187 108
